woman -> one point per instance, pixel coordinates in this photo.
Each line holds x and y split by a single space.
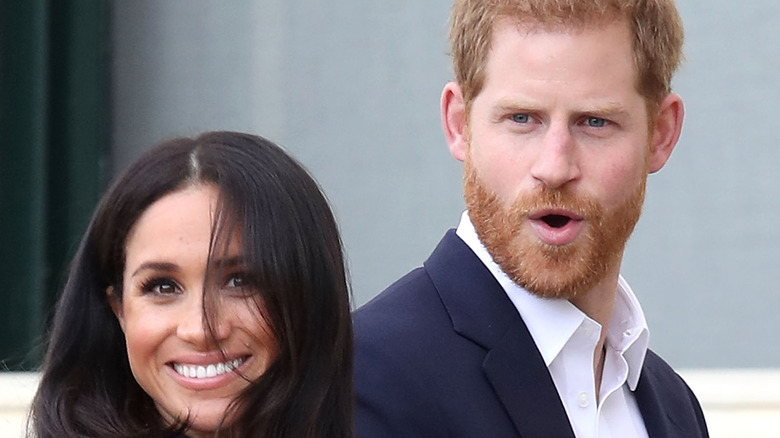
208 298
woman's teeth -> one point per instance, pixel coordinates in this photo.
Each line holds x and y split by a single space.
211 370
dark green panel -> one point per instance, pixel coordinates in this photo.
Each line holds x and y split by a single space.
23 77
77 125
53 67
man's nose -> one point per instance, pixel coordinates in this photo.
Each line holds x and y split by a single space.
556 162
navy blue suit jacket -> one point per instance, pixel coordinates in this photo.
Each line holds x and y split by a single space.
443 353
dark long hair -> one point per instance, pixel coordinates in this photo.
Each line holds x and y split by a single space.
293 251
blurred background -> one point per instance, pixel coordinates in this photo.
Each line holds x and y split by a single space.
351 88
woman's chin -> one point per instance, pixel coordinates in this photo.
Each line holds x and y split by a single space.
207 417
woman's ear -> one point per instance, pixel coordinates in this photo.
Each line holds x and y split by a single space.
453 120
666 132
116 306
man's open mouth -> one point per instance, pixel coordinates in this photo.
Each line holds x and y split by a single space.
556 220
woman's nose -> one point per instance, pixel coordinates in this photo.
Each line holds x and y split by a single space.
199 324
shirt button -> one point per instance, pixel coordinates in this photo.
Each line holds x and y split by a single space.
582 399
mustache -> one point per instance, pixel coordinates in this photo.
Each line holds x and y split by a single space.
524 205
545 198
484 200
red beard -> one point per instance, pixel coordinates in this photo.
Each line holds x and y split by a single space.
551 271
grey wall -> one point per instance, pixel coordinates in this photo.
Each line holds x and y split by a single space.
705 258
351 88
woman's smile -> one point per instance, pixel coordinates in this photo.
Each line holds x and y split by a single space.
194 371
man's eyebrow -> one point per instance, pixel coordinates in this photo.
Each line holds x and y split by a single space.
515 105
607 110
156 266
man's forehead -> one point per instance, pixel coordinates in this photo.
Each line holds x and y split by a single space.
572 24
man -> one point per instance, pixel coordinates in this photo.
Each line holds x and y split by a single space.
519 324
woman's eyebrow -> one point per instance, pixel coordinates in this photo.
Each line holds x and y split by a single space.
156 266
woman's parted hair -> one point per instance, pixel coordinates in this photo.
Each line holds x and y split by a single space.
655 25
293 252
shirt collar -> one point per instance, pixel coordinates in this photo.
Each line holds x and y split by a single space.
628 331
552 322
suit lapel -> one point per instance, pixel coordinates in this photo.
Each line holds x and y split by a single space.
481 311
665 411
649 403
521 380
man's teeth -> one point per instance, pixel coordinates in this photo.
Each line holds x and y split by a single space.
211 370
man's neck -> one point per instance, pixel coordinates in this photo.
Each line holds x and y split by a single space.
599 304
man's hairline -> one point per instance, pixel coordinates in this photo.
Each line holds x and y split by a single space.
652 104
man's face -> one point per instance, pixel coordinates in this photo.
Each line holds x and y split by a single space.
557 155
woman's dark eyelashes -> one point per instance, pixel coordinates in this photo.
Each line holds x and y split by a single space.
242 280
159 285
236 280
163 285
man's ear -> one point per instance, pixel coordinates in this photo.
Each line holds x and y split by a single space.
453 119
116 306
666 132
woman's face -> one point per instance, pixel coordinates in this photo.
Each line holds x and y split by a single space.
172 355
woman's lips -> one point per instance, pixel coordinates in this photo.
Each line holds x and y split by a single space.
203 371
203 375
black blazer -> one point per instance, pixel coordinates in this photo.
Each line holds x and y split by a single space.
443 353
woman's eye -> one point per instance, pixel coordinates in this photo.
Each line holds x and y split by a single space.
521 118
240 284
236 280
160 286
596 122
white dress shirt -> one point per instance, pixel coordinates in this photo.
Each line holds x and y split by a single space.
567 339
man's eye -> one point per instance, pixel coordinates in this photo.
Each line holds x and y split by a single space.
596 122
521 118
